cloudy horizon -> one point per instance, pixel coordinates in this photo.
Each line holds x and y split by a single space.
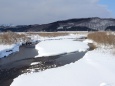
19 12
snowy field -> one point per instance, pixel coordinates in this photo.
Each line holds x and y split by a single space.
96 68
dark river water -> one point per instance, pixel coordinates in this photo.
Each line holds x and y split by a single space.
19 63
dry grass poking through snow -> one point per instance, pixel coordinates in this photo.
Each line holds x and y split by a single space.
11 37
49 34
104 38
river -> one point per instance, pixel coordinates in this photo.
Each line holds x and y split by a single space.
19 63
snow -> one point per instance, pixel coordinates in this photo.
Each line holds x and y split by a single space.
60 27
5 50
96 68
70 36
59 45
88 41
34 63
56 47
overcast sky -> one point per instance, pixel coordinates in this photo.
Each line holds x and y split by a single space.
45 11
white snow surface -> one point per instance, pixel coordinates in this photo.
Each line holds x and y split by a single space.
59 45
96 68
5 50
34 63
70 36
56 47
88 41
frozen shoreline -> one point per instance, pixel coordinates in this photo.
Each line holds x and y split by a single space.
94 69
6 50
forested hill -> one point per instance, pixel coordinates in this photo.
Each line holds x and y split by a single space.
77 24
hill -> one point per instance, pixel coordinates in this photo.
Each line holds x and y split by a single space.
78 24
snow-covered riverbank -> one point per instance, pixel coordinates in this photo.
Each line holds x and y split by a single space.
96 68
5 50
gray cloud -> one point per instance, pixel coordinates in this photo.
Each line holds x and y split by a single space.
45 11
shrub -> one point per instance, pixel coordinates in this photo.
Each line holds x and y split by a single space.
11 37
102 38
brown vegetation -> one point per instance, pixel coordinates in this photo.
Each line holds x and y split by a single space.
105 38
11 37
49 34
92 46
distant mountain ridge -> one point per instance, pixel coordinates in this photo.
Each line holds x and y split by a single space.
80 24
